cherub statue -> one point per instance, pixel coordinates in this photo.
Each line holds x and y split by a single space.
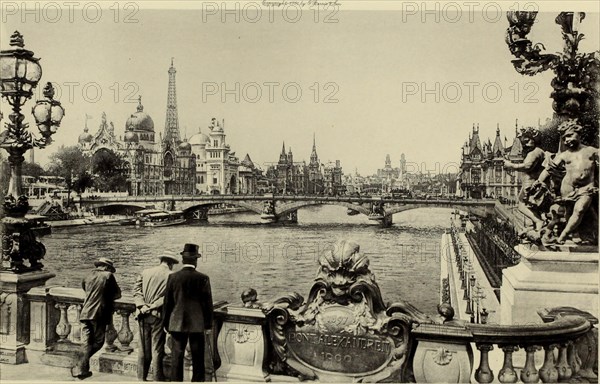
579 186
531 198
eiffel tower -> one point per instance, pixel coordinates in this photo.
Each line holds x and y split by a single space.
172 120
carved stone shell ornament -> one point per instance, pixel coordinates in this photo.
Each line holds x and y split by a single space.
442 356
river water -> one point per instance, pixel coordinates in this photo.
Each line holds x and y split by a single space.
240 252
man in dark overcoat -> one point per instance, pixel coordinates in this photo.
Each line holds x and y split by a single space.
101 291
188 313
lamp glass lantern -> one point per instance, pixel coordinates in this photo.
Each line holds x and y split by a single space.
48 113
19 72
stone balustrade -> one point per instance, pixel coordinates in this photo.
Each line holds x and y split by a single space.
559 335
55 332
444 352
56 329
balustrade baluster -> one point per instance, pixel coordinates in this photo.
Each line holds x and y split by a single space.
125 335
508 374
548 373
111 336
529 374
63 328
564 370
484 374
75 324
573 358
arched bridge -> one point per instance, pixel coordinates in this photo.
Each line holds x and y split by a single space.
277 207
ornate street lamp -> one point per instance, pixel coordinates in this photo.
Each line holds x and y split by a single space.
472 284
20 73
575 92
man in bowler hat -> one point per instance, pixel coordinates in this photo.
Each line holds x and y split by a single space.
148 295
188 313
101 291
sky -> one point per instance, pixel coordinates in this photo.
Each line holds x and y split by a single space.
365 78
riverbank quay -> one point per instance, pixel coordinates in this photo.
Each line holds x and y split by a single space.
470 290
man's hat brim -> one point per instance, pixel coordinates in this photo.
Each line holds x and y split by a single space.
190 255
105 264
169 257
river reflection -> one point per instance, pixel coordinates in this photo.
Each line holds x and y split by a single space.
240 252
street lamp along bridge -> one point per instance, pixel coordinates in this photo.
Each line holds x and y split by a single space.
20 73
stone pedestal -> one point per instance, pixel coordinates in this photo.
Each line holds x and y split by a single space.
15 313
241 344
546 279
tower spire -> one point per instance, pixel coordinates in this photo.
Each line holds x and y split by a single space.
314 158
172 119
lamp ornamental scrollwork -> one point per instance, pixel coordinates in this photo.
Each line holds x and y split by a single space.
575 92
20 73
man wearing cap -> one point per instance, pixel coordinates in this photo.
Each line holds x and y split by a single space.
101 291
148 294
188 313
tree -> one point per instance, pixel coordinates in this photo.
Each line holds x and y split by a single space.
32 169
83 182
110 170
69 163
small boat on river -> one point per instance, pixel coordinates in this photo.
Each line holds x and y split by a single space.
161 219
138 215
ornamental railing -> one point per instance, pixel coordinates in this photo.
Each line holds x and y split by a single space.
444 349
556 341
55 329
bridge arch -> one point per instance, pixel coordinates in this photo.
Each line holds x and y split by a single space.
254 207
286 208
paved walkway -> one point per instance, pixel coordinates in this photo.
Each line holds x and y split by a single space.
44 373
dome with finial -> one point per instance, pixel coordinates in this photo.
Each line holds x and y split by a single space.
86 136
199 139
185 145
140 120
